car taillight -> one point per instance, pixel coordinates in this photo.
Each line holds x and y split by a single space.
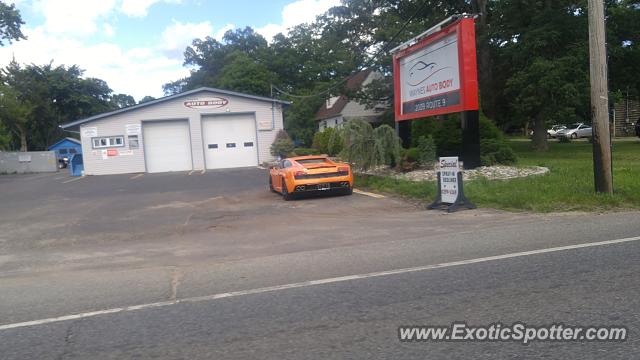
343 169
299 173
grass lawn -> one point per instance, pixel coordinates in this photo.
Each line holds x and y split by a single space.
568 187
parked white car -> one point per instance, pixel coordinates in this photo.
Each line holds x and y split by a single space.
576 131
553 132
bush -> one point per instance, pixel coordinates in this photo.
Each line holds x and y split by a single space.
496 151
447 139
365 147
426 151
283 145
306 151
335 143
321 140
564 139
412 154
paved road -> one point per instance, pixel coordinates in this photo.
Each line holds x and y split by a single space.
358 319
193 239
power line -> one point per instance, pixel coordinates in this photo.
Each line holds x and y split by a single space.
367 64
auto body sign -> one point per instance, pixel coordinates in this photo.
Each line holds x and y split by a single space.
438 74
429 78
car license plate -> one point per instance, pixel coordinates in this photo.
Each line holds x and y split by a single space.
324 186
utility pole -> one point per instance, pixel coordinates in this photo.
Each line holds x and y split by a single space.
599 99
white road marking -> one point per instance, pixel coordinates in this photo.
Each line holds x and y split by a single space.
191 172
312 283
136 176
377 196
74 179
203 171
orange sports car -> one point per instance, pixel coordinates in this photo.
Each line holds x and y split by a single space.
306 174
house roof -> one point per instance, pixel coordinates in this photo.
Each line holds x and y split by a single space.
354 82
75 141
171 97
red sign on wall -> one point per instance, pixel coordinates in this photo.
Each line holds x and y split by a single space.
437 75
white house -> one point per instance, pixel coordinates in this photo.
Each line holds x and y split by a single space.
339 109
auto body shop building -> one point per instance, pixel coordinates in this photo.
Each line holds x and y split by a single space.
200 129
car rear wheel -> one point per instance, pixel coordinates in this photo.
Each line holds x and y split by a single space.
348 191
285 193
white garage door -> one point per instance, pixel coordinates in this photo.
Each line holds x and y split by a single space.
167 146
229 141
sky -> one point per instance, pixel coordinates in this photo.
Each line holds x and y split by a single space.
136 46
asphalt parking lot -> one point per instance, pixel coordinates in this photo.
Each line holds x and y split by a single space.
53 221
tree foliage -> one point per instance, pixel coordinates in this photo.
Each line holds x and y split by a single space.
365 147
37 99
10 23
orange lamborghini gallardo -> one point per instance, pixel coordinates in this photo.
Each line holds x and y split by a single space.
307 174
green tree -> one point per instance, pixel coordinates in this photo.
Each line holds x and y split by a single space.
15 116
146 99
119 101
53 96
10 23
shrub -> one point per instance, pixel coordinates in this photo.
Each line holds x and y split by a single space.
321 140
564 139
496 151
447 139
412 154
335 144
365 147
283 145
426 151
306 151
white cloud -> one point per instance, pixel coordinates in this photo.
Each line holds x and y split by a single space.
220 33
140 8
108 30
74 17
139 71
177 36
298 12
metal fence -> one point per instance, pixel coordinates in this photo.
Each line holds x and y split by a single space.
28 162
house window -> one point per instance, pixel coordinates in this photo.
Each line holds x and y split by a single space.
231 145
134 143
213 146
248 144
110 141
62 151
72 151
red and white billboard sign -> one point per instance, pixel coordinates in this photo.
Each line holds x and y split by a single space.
437 75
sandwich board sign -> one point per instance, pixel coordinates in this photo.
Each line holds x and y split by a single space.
450 188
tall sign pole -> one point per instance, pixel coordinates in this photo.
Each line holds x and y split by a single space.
599 99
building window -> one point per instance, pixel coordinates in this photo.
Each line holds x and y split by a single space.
134 143
213 146
62 151
105 142
72 151
248 144
231 145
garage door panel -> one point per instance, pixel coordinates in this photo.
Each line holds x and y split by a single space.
229 141
167 146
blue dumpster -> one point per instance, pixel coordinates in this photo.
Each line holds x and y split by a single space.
76 167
